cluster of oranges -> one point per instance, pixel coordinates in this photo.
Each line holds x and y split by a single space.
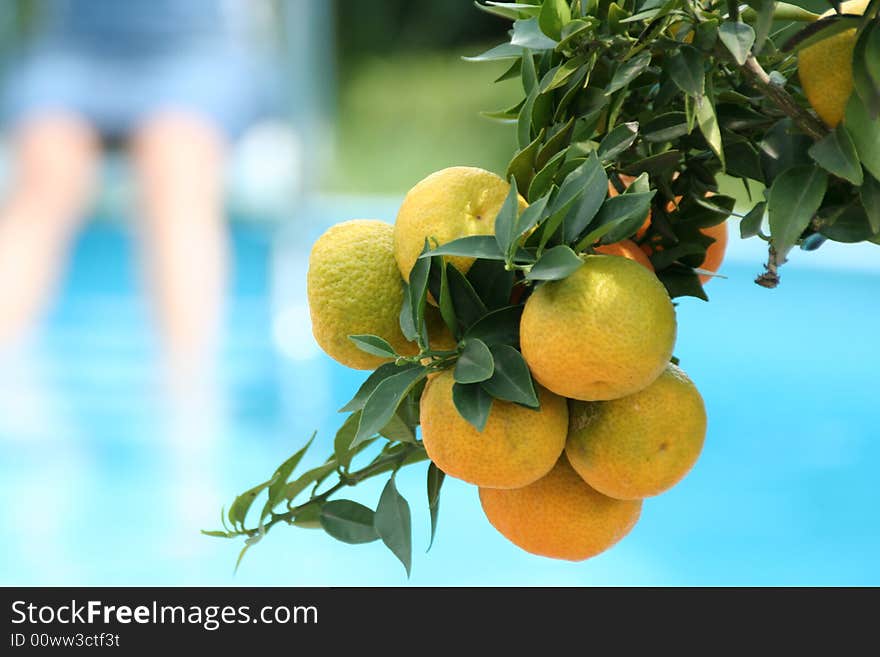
617 422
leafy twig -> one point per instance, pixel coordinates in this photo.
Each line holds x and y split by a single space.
808 123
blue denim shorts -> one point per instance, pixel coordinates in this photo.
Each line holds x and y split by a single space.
217 81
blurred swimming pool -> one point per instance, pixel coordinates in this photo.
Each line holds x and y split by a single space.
102 487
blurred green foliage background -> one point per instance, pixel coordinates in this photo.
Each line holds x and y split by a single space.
407 103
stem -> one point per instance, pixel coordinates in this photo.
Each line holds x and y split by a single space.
770 278
410 453
808 123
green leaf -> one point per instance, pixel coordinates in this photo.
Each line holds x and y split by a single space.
524 120
373 344
348 521
506 221
436 476
555 143
530 217
406 320
500 326
310 477
573 31
665 127
543 180
849 226
870 196
686 70
527 34
447 307
394 525
492 282
278 487
472 403
618 140
783 147
554 15
628 71
344 438
382 403
368 386
512 380
836 153
765 10
472 246
738 38
682 281
398 431
239 508
503 51
522 166
575 182
528 74
708 123
309 516
418 292
468 306
475 363
621 216
565 71
865 133
555 264
751 223
866 68
594 188
792 202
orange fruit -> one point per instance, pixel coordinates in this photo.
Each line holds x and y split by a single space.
626 249
715 252
640 445
604 332
560 515
517 446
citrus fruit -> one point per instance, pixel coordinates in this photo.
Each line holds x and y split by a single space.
604 332
825 68
642 444
354 288
560 516
517 446
449 204
716 250
627 249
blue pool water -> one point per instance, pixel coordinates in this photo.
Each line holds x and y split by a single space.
102 485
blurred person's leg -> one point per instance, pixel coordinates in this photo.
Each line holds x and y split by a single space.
55 159
180 162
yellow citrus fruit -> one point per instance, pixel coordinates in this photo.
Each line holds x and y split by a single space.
825 68
560 516
517 446
354 288
640 445
451 203
604 332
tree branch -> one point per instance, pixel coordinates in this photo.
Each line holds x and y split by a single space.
783 100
